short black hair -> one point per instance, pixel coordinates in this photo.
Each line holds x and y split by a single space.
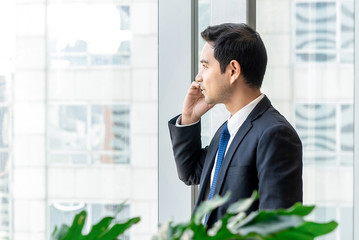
239 42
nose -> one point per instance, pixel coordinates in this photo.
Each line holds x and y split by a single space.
199 77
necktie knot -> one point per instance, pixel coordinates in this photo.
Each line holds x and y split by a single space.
225 134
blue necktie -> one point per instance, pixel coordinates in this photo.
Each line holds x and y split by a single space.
223 142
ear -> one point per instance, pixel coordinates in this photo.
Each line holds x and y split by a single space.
234 70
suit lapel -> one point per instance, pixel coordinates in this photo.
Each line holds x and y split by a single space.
242 132
261 107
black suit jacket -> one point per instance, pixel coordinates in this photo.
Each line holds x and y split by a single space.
265 155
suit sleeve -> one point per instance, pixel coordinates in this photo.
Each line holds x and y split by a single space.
279 168
188 153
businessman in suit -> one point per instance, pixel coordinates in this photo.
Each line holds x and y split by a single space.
256 148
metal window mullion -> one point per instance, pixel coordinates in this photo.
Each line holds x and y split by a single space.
194 70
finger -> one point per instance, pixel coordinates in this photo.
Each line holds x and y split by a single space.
195 84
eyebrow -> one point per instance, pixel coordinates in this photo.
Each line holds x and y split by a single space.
203 61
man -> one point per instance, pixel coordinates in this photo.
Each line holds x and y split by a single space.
256 149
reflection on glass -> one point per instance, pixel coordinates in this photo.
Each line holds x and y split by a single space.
4 127
316 35
81 41
316 126
347 128
316 57
347 25
3 88
67 128
4 217
4 173
110 126
316 25
320 34
69 134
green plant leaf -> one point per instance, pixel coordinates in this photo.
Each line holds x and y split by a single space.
297 209
267 226
317 229
208 206
243 204
99 228
74 232
280 224
59 233
119 228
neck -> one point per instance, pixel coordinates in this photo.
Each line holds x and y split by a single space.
241 97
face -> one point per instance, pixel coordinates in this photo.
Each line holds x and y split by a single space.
214 85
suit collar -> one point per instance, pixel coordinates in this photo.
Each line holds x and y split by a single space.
261 107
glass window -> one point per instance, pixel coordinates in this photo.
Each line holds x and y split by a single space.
324 31
84 41
77 112
5 202
316 126
81 134
67 127
310 56
111 126
319 126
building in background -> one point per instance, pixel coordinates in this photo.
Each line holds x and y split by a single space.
78 114
78 107
310 79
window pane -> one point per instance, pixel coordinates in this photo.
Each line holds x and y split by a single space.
324 214
64 213
4 173
347 128
110 128
316 126
346 228
4 127
315 25
67 127
81 41
5 217
4 85
347 25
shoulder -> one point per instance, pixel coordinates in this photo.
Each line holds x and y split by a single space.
272 124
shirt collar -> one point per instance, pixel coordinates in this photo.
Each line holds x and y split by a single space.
236 121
